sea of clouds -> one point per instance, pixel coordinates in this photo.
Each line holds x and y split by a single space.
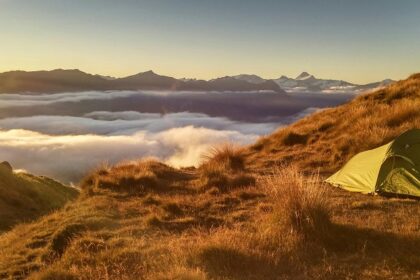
67 147
28 99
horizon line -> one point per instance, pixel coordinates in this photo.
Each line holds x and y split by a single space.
150 70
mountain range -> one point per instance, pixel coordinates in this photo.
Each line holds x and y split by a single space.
60 80
306 82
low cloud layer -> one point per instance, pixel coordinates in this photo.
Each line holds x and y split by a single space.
127 123
66 147
68 157
18 100
30 99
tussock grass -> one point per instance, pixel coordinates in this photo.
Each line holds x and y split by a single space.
139 177
286 227
326 140
301 202
224 168
226 156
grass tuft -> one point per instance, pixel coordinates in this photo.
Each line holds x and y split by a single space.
301 205
135 177
227 156
224 168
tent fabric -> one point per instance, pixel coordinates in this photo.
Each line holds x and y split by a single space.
393 168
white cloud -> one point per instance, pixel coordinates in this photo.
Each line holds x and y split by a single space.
68 157
66 147
124 115
126 123
18 100
30 99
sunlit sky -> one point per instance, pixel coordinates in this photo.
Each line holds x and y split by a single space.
356 40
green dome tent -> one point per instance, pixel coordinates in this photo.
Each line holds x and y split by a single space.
393 168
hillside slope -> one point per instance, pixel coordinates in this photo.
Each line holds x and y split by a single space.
24 197
146 220
326 140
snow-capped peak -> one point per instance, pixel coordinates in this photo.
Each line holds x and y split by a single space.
254 79
304 76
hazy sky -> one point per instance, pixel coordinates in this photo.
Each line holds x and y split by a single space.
356 40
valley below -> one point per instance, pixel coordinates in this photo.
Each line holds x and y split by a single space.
85 129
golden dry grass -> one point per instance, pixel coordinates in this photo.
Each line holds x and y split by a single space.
146 220
326 140
224 168
301 201
288 226
24 197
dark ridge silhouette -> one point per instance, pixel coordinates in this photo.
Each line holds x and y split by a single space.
60 80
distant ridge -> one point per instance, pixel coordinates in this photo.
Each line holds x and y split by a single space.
306 82
60 80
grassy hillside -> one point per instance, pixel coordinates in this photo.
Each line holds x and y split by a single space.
326 140
24 197
225 220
